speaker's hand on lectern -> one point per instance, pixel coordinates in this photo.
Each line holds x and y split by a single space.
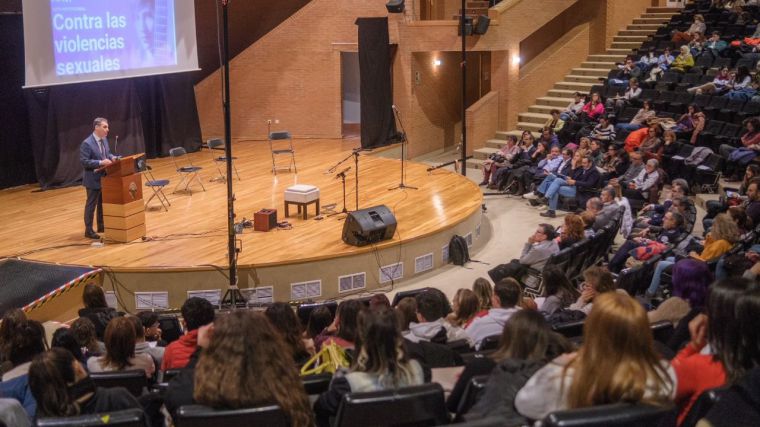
105 162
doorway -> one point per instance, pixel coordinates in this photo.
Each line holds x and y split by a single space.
350 94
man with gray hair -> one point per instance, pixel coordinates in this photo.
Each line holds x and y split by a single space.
609 208
94 154
639 188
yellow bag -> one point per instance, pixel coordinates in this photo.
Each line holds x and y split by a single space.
331 358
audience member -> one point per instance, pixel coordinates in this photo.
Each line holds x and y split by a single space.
286 323
342 331
466 308
96 309
573 109
241 365
380 364
559 293
62 388
596 281
503 158
698 26
27 340
584 179
555 123
431 324
526 344
406 312
378 301
616 363
120 350
142 346
319 319
152 325
691 280
505 299
64 338
639 120
594 109
11 319
669 234
84 332
483 290
539 247
634 169
572 231
196 313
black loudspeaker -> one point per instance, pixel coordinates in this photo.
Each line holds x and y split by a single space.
369 225
395 6
482 26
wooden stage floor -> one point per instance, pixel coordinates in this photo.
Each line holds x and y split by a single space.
48 226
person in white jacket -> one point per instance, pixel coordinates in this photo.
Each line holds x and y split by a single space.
506 295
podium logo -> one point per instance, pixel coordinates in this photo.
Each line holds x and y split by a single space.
133 190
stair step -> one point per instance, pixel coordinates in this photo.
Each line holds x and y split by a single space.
574 86
474 11
554 102
483 153
658 15
584 79
656 21
595 72
498 143
545 109
596 60
537 118
662 9
533 127
648 27
474 163
620 51
564 93
477 4
625 45
630 39
628 33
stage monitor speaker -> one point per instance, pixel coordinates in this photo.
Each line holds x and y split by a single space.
369 225
482 26
395 6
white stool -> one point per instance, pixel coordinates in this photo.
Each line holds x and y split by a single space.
301 195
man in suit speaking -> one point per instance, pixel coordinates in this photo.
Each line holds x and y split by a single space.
93 154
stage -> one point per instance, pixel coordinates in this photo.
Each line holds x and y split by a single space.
186 248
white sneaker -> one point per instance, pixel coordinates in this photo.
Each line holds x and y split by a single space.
530 196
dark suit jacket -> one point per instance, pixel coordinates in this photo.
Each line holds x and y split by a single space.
587 179
90 157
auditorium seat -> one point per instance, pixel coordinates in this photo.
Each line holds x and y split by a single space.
203 416
125 418
471 394
133 380
417 405
614 415
317 383
702 406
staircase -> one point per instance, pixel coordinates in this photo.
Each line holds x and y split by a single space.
580 79
473 8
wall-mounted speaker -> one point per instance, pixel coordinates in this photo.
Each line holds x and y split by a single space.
369 225
467 26
482 25
395 6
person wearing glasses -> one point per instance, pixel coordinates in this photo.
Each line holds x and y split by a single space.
537 250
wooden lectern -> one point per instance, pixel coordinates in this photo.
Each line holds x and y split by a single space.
123 207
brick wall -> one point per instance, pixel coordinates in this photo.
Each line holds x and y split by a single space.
482 121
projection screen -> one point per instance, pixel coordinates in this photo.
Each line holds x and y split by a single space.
76 41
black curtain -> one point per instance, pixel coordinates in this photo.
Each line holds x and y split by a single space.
16 160
377 122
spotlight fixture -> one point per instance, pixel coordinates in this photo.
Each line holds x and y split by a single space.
395 6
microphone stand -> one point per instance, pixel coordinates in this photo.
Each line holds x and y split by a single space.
404 141
342 176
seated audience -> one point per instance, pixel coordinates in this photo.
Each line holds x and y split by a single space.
431 325
698 26
635 167
142 346
483 290
406 312
572 231
10 320
593 110
639 120
27 340
691 280
684 61
244 363
622 100
739 157
692 122
84 332
647 181
660 66
559 293
651 146
502 158
603 132
96 309
717 87
539 247
596 281
616 363
64 338
583 180
555 123
62 388
466 308
741 88
120 350
196 312
573 109
342 331
152 326
380 364
507 294
614 163
527 344
570 163
672 227
286 323
319 319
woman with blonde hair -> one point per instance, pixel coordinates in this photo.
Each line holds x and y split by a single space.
466 307
616 363
244 362
483 290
